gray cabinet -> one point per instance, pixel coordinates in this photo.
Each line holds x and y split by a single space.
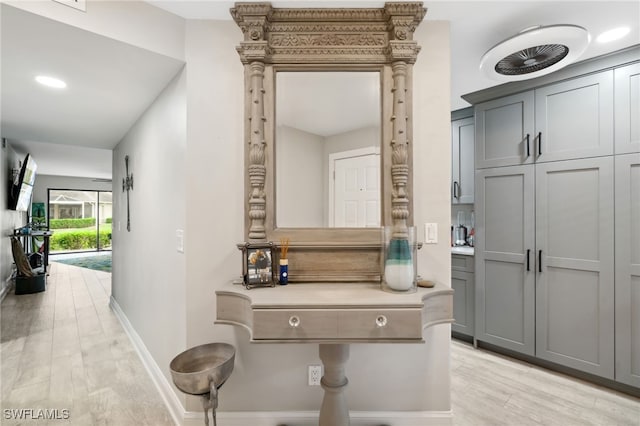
627 268
565 120
627 109
574 259
462 282
558 217
544 261
462 161
504 131
574 118
505 267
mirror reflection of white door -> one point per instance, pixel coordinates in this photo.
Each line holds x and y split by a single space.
354 188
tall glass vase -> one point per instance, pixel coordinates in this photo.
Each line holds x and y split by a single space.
399 259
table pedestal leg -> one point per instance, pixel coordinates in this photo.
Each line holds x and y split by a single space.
334 410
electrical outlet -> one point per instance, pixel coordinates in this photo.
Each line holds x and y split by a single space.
315 374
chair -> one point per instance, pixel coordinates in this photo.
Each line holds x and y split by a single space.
28 280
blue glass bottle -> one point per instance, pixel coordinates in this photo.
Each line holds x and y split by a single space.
284 271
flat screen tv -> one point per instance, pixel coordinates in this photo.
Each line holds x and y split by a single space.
23 187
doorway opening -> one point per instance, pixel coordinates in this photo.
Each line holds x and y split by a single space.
80 220
354 188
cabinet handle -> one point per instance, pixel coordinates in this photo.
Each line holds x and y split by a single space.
456 191
528 253
294 321
539 260
528 151
539 144
381 321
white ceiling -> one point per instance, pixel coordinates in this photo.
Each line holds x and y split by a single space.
476 26
112 83
330 97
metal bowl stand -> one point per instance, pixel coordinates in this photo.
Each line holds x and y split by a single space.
210 401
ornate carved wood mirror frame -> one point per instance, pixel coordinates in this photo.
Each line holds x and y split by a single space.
328 40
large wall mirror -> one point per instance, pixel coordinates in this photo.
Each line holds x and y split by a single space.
328 91
327 147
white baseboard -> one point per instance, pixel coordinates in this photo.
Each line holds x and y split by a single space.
6 288
267 418
159 380
310 418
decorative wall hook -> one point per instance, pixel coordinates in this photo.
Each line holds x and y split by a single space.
127 185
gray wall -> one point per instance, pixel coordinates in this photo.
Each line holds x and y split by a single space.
148 278
355 139
299 178
9 219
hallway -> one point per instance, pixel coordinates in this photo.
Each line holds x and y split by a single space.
64 349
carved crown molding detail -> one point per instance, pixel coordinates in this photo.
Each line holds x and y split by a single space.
292 39
311 28
324 35
343 15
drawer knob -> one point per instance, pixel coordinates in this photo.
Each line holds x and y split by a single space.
294 321
381 320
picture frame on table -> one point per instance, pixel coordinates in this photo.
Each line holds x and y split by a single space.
257 265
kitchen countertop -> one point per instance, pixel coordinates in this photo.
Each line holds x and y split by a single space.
465 250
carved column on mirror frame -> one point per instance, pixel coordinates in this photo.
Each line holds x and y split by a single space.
257 169
399 152
253 19
403 18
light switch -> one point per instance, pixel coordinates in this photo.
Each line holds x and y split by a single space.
431 233
180 240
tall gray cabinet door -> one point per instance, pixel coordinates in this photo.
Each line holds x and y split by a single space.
463 301
504 131
462 161
574 254
574 118
504 255
628 269
627 109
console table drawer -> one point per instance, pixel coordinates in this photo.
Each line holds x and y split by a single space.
373 324
351 324
294 324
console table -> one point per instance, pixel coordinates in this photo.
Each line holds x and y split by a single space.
333 315
27 244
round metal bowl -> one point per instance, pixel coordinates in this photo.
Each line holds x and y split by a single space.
193 369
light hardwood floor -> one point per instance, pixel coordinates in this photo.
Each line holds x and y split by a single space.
491 389
65 349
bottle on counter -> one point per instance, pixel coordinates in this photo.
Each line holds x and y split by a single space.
471 239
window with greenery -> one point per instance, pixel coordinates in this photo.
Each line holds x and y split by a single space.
81 220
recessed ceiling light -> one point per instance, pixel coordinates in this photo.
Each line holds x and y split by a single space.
614 34
51 82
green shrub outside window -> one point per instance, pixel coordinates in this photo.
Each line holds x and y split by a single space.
72 223
79 239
